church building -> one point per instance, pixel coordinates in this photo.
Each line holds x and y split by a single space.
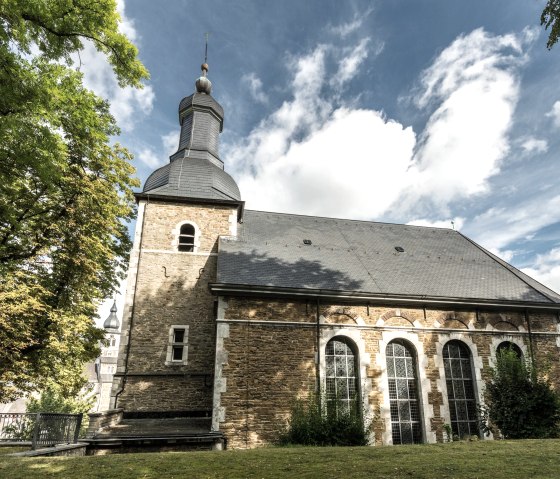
232 314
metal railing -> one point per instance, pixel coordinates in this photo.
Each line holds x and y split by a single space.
40 429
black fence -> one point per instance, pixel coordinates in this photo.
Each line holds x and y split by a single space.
40 429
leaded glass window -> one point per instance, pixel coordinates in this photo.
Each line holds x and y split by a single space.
460 389
403 393
341 376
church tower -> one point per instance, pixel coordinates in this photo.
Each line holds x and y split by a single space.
166 358
107 362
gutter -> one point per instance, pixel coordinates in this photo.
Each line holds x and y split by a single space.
227 289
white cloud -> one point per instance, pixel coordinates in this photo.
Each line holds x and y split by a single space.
499 227
255 87
170 142
453 223
150 158
127 25
474 87
547 269
315 155
345 29
126 103
532 145
555 113
312 157
349 64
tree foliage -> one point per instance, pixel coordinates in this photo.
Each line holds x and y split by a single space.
520 403
313 425
65 188
550 17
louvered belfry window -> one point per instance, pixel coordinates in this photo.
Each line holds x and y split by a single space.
341 376
460 389
403 393
186 238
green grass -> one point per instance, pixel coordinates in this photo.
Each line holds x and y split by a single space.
12 449
528 459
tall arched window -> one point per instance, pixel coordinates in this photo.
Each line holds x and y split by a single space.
342 391
509 346
403 393
186 238
460 389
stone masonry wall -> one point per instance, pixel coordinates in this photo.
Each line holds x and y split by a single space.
171 289
268 358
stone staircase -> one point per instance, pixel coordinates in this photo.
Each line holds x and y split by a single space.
118 432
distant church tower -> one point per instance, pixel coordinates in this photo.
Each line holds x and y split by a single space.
166 359
107 362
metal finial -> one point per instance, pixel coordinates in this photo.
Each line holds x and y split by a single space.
206 48
203 84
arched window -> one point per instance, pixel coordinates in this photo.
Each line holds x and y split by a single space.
112 340
460 389
342 392
403 393
509 346
186 238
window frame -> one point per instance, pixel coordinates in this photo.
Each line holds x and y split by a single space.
418 436
356 399
454 400
174 345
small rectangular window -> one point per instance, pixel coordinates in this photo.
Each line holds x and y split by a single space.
179 335
177 353
177 346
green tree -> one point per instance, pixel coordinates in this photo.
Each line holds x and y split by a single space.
550 17
519 402
65 188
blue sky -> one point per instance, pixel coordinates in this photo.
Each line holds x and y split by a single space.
422 112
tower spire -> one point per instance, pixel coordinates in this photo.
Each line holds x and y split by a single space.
203 84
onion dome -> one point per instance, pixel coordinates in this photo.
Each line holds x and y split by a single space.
112 322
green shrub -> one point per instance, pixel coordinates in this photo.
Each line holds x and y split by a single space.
520 403
312 425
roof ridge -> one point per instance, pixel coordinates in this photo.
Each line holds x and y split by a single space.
352 220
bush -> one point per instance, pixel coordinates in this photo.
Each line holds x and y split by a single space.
520 404
338 426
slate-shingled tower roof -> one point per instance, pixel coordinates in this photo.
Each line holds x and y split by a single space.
292 255
195 170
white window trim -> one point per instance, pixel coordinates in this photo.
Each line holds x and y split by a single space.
424 386
365 385
169 360
476 365
496 341
177 231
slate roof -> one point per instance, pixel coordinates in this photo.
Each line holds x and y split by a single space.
360 257
192 178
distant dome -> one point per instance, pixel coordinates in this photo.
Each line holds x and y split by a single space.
112 322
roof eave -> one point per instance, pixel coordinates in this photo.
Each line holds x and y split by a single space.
226 289
240 205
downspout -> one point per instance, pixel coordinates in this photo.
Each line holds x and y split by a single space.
133 306
318 364
531 346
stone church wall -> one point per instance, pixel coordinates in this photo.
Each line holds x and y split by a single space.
171 290
267 353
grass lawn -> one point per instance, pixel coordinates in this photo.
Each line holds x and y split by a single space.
529 459
12 449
